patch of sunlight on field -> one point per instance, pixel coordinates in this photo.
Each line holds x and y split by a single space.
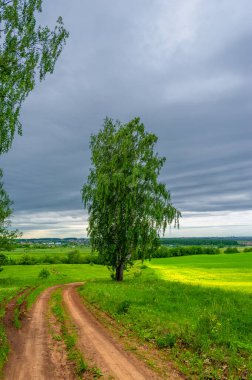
233 279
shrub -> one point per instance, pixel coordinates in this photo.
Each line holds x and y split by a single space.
27 260
49 260
231 250
144 266
3 259
123 307
44 273
137 273
249 249
74 257
164 252
166 341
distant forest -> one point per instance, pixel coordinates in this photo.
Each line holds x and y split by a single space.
220 242
205 241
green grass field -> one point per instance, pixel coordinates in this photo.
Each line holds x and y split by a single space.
232 271
51 251
196 308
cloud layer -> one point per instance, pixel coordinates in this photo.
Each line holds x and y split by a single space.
184 67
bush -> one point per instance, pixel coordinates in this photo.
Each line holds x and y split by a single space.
27 260
123 307
144 266
44 273
137 273
164 252
231 250
74 257
249 249
166 341
49 260
3 259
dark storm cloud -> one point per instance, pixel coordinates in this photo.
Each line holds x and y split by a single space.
184 67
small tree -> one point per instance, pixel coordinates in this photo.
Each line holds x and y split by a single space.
7 236
128 208
25 48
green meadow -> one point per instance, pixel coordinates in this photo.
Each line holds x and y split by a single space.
42 253
227 271
196 309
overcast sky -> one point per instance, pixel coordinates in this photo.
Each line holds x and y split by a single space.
184 67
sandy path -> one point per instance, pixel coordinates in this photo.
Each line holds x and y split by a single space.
99 347
29 358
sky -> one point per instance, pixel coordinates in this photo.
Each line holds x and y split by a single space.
184 67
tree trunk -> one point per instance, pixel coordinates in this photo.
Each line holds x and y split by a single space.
119 272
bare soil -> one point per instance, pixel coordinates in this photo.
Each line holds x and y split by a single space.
30 358
98 345
35 356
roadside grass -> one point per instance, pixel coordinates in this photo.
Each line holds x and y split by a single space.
68 337
207 331
232 272
6 294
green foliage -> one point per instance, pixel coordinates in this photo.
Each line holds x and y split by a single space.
7 236
123 307
219 242
25 49
248 249
52 255
3 259
163 251
27 260
44 273
231 250
165 341
128 208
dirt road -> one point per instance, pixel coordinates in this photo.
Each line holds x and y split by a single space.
29 358
32 358
99 346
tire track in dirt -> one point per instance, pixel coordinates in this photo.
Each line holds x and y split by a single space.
99 347
31 357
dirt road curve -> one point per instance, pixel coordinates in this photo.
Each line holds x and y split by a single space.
97 344
31 357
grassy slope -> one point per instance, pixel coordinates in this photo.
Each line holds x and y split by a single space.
233 271
207 330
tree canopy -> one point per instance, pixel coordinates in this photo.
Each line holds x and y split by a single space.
7 235
26 50
128 207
